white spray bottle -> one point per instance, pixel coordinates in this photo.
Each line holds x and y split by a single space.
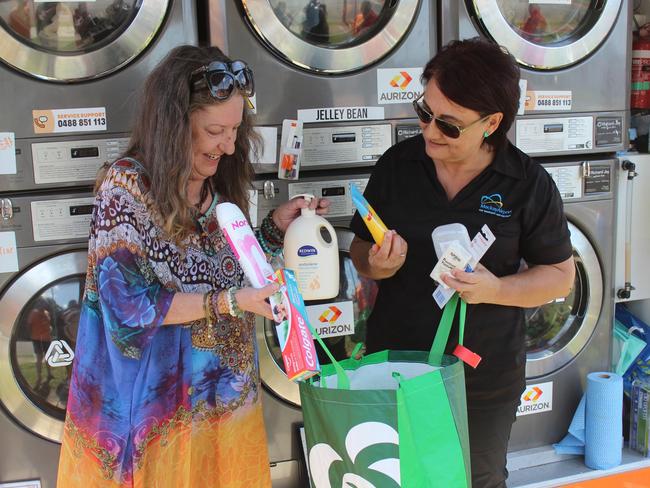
311 250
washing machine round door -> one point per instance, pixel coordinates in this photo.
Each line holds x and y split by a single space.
557 331
341 321
330 37
76 41
39 315
547 35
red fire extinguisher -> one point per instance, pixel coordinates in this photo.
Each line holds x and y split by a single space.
640 73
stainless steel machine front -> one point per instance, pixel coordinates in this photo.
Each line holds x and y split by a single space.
324 54
575 67
64 59
40 303
568 338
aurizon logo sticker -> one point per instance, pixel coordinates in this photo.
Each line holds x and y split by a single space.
401 80
533 394
330 315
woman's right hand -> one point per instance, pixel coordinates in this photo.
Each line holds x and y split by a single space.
386 260
255 299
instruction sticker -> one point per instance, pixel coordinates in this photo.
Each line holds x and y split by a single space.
69 120
548 100
7 153
8 252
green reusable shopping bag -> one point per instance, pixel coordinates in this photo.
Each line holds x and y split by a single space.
390 419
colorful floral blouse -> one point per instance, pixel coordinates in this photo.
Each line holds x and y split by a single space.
155 405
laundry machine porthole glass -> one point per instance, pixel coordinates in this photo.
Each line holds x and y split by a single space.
330 36
547 35
548 24
355 291
334 23
67 27
358 290
43 341
551 326
72 41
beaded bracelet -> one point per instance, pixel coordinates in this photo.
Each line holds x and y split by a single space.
266 246
271 232
208 312
222 305
235 311
214 304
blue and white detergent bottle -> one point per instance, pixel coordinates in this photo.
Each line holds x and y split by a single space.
311 251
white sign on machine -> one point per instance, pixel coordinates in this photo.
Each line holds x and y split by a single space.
398 85
332 319
7 153
536 398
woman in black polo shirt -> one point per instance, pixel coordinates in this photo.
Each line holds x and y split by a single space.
463 169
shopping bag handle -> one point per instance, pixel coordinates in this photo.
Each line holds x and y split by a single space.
343 382
444 328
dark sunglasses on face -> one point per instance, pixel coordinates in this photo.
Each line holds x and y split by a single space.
450 130
222 78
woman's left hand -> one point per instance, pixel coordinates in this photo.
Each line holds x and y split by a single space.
288 211
479 286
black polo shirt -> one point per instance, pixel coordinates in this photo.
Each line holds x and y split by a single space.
528 223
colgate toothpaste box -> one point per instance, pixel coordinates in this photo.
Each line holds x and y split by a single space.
294 335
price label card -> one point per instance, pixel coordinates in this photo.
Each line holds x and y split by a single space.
7 153
69 120
8 253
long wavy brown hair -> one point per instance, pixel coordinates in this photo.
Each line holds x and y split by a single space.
161 140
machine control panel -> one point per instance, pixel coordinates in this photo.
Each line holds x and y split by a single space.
61 219
551 135
270 194
73 161
340 146
568 180
336 191
590 178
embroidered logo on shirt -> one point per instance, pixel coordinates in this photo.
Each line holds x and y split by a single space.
493 205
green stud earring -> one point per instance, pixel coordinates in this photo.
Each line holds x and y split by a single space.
486 134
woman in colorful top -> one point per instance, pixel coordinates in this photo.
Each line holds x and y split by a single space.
165 389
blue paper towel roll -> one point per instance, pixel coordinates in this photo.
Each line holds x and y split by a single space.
603 420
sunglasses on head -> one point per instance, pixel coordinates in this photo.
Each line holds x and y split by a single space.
221 78
450 130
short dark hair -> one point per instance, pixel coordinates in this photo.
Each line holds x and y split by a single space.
481 76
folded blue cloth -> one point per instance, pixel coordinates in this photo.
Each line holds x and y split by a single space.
574 441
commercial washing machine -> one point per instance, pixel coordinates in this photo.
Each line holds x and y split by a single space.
575 66
42 276
336 67
70 74
568 338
